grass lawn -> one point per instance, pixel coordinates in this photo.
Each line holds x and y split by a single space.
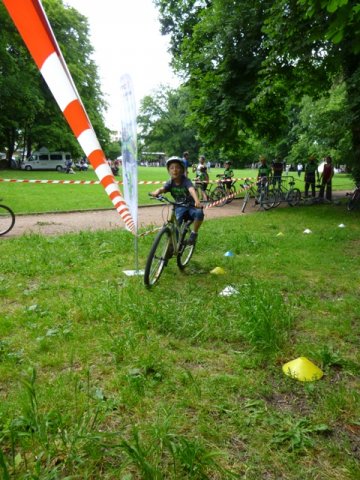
102 378
34 198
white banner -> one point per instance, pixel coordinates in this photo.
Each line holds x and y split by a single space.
129 146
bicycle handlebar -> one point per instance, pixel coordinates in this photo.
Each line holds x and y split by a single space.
163 199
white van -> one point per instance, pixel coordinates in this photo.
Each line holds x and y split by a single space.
45 160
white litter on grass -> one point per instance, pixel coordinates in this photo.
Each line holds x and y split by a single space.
307 230
341 225
133 273
228 291
280 234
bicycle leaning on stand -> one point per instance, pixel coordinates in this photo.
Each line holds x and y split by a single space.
172 240
264 197
284 193
7 219
225 190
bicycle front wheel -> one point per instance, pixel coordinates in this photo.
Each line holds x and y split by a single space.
157 258
354 201
278 196
218 196
245 201
185 250
7 219
231 193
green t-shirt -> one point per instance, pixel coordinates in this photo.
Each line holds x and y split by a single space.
228 173
311 167
264 171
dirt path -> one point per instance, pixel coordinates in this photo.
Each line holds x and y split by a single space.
59 223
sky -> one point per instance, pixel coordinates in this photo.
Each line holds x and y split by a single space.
126 37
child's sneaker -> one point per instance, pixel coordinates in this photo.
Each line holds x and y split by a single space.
192 238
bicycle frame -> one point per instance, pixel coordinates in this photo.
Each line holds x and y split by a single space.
284 193
172 240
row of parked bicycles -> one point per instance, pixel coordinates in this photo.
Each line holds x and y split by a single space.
266 193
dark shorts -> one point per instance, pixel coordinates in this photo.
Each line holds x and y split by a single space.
189 213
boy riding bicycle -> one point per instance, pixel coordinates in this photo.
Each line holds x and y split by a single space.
182 190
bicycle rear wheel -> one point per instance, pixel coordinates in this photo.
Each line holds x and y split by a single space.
293 197
185 251
157 258
7 219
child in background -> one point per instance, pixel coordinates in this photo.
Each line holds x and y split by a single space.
202 177
227 175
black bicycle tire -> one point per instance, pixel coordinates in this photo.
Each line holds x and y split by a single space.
265 201
245 201
151 276
293 197
231 193
185 251
219 196
354 200
11 222
278 196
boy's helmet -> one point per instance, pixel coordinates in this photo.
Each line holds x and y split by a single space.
175 160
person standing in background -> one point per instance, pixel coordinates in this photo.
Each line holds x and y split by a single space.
185 159
326 179
299 169
311 170
277 169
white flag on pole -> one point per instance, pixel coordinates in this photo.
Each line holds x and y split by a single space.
129 146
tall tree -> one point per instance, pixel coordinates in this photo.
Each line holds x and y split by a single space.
218 48
163 123
249 64
28 110
313 42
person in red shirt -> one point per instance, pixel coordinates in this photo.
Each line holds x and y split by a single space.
326 178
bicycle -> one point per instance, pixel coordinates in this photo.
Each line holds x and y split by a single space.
264 197
7 219
290 195
354 200
225 191
198 185
172 240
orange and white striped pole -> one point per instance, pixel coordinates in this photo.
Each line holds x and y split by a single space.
32 23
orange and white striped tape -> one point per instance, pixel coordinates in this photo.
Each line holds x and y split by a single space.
91 182
32 23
